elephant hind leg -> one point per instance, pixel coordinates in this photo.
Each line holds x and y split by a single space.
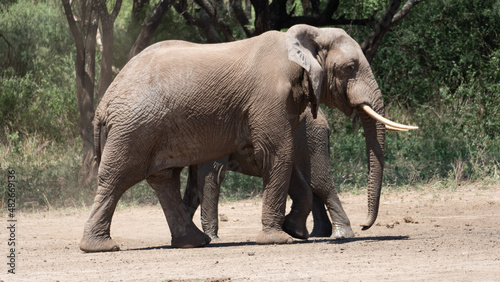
96 235
185 234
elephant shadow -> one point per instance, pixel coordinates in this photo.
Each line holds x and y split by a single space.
352 240
309 241
367 239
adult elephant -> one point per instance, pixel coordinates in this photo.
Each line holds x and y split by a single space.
311 177
174 106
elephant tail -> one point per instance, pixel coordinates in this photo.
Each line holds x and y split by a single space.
100 135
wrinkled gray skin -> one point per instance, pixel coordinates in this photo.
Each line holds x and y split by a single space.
173 106
310 173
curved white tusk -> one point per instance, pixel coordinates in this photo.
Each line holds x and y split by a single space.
390 128
391 124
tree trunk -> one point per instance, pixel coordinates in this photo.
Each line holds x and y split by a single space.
107 26
85 79
262 19
106 75
84 34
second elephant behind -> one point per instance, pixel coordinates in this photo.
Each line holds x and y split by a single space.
311 184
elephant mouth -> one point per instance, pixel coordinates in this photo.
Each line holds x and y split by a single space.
389 125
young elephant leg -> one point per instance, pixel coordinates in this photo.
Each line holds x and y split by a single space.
192 197
210 176
322 225
203 188
301 195
185 234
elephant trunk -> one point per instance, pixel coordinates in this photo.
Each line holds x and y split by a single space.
375 142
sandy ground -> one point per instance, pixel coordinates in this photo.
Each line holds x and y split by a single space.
435 234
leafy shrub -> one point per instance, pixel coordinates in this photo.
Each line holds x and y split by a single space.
443 75
37 86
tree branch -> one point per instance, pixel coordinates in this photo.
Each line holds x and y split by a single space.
371 44
116 9
208 6
241 17
405 10
280 19
330 9
149 26
322 21
204 23
138 8
77 34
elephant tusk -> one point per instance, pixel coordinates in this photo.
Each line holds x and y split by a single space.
391 125
390 128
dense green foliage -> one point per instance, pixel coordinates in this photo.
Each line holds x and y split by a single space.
438 68
37 74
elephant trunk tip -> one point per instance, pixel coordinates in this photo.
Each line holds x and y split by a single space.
365 227
368 224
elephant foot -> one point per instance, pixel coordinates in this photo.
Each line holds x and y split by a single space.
193 240
267 237
93 245
321 231
342 232
322 228
294 229
213 237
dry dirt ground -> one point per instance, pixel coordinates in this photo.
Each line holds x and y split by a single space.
436 234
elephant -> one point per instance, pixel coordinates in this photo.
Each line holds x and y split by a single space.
175 105
310 173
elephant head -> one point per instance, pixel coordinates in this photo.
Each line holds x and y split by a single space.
341 77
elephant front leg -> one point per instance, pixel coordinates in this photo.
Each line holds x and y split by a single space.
340 221
185 234
276 181
340 227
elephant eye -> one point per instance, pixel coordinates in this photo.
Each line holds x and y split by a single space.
350 69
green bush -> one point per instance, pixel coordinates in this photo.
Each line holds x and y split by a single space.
37 83
444 76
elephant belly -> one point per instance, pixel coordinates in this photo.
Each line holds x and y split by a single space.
193 144
244 161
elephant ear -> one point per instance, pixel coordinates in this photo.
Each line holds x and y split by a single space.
302 46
